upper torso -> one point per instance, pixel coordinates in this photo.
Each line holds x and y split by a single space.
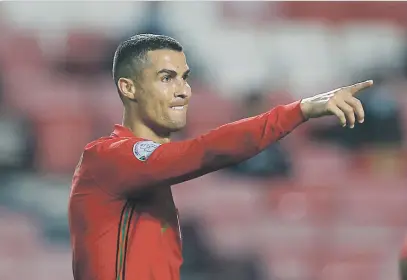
119 238
111 243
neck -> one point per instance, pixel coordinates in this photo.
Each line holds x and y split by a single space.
141 130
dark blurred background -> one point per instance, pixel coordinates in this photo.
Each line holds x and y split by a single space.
326 203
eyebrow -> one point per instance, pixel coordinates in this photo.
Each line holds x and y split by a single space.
173 73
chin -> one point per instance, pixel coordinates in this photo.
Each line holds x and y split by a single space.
175 124
175 127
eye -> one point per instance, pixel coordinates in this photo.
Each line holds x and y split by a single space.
166 79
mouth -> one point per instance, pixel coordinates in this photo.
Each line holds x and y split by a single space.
178 107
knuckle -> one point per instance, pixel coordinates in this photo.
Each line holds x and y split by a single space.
334 99
348 111
347 95
330 104
357 101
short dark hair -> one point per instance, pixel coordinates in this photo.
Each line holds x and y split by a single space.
131 53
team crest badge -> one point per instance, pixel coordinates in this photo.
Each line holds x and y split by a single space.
143 149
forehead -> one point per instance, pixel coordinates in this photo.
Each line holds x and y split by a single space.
167 59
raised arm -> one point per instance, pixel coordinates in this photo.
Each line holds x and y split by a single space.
125 165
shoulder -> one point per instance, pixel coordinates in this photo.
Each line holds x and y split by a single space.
105 144
100 143
144 148
122 146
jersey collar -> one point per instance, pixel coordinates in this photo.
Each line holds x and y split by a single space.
121 131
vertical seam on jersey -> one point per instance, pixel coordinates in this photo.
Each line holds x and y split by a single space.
127 237
124 225
118 238
179 229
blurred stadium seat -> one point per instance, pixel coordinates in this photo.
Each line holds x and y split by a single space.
342 213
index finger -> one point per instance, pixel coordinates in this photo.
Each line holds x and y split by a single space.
360 86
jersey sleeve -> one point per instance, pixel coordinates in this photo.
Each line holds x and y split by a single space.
126 165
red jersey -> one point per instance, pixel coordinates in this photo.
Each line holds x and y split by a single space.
122 217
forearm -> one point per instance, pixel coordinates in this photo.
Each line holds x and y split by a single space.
238 141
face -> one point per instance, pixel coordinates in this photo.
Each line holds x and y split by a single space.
163 91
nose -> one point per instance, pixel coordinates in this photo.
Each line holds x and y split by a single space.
183 91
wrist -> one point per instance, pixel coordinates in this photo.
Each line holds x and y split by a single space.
305 109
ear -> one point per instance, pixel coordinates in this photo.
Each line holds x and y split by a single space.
127 88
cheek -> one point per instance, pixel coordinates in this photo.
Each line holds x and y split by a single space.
156 100
159 102
163 94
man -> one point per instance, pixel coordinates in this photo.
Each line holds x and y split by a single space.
123 221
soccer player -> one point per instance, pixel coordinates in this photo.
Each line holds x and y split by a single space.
123 221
